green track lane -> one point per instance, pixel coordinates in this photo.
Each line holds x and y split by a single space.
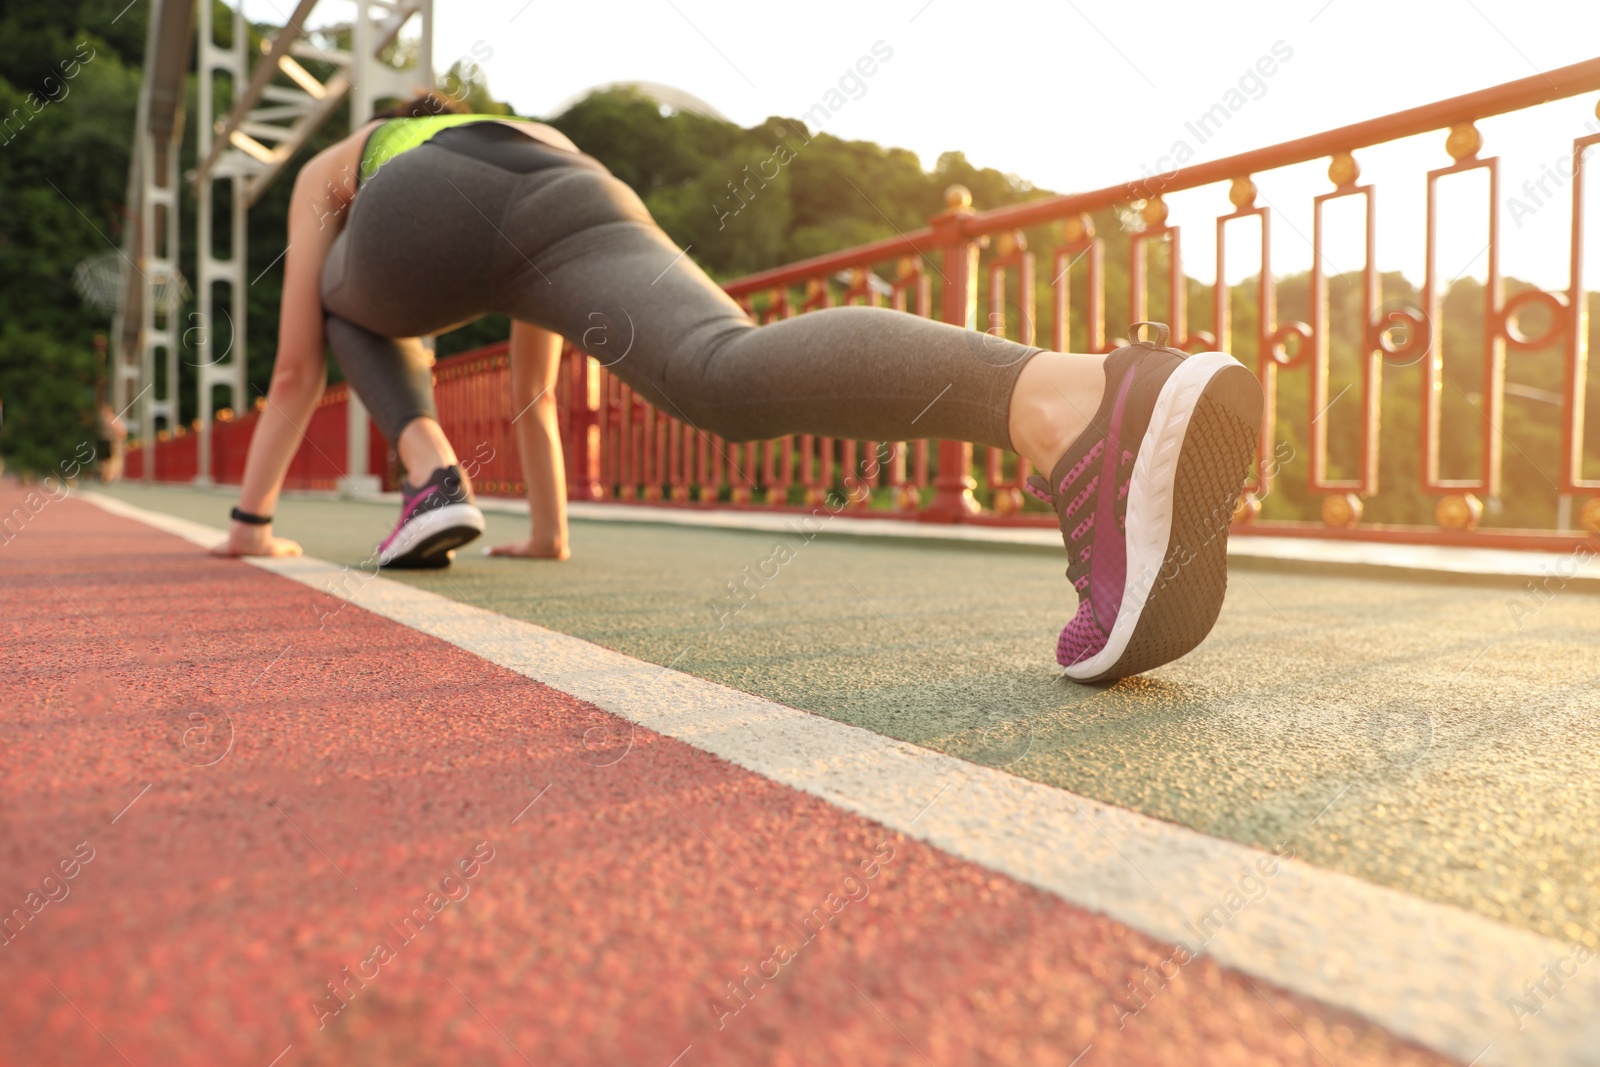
1426 735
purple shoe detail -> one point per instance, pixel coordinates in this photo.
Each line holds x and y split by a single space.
1080 638
435 518
1110 546
1077 472
1082 498
407 510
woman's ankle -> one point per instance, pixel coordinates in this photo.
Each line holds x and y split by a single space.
1052 403
423 448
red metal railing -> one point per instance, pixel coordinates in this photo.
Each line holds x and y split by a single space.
619 448
318 464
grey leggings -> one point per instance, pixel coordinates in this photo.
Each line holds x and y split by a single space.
438 237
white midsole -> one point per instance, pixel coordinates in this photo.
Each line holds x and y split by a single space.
449 517
1149 515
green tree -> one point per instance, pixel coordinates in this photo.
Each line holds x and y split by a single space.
68 85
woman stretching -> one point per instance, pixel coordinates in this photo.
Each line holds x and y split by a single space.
416 224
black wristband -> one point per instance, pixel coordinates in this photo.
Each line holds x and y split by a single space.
249 519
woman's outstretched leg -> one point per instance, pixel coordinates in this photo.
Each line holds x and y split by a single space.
439 237
1146 449
583 258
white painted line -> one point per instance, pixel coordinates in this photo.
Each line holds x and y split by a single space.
1445 978
193 532
1562 567
848 524
1449 559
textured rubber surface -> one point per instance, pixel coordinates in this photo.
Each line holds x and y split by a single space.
1186 595
1404 732
246 859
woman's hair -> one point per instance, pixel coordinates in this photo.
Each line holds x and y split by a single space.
420 106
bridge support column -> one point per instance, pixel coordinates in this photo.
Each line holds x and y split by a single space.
158 262
953 485
218 364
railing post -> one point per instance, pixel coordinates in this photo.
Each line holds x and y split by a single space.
583 427
357 481
952 487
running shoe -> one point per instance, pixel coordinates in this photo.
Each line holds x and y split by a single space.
435 520
1145 496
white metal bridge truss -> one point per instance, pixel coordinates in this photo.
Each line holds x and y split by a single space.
278 105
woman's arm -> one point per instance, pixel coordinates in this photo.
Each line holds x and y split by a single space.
317 209
535 358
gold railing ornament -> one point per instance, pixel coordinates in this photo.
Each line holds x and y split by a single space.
775 495
1009 242
708 494
1463 141
1343 170
1242 193
1459 511
1341 511
1154 211
958 198
1589 514
1007 501
907 498
907 267
1075 228
1246 509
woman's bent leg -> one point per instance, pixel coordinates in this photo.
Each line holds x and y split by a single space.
393 376
409 264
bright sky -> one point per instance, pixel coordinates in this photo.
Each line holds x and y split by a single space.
1081 94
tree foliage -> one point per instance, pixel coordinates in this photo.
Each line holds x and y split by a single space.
749 199
63 163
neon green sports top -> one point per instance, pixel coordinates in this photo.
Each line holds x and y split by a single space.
397 136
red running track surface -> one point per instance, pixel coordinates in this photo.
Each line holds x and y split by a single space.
311 784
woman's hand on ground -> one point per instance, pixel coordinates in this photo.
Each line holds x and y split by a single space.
246 540
530 549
